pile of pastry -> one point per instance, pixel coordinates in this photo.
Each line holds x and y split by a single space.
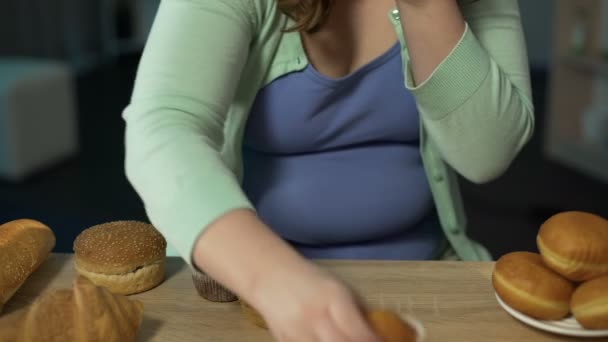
568 277
113 260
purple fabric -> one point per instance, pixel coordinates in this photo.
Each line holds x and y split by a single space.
333 165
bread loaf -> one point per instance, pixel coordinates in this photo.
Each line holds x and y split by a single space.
84 313
24 245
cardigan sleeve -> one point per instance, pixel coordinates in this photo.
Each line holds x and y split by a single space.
477 104
185 83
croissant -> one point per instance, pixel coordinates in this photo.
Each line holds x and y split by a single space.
84 313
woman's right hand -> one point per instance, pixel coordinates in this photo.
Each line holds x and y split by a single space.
308 304
298 300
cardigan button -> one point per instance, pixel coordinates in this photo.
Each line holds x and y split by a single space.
395 14
438 177
452 225
454 228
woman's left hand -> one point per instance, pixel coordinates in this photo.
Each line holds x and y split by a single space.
431 28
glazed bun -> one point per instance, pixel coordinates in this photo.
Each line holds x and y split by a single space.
590 304
575 244
526 284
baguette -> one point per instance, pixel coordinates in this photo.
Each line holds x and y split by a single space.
24 245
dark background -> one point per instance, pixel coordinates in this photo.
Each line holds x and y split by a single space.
90 187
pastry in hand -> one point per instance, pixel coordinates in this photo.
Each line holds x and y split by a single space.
126 257
390 327
84 313
575 245
590 303
386 324
526 284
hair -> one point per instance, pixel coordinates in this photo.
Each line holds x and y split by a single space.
309 15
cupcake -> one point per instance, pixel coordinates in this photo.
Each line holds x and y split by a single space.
210 289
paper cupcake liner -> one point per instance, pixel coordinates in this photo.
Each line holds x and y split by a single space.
210 289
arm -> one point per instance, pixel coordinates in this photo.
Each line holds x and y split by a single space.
431 28
185 84
174 124
232 263
469 73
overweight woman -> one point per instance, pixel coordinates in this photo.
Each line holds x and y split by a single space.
265 133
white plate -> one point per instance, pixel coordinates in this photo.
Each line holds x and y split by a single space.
417 325
567 326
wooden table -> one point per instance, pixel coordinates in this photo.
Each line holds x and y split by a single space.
454 300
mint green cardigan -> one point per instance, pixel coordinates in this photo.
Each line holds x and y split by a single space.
205 61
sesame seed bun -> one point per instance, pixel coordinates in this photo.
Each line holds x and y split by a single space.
126 257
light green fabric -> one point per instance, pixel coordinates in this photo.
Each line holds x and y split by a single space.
205 61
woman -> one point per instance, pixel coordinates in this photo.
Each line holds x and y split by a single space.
343 123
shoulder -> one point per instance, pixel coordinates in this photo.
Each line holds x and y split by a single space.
257 13
265 12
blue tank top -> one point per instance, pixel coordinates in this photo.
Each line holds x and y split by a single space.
333 165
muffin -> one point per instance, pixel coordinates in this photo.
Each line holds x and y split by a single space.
210 289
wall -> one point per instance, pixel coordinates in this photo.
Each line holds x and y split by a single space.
537 17
79 24
58 29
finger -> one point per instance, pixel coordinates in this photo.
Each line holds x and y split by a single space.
327 331
295 335
351 321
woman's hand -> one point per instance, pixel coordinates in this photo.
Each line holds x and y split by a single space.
308 304
431 29
298 300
